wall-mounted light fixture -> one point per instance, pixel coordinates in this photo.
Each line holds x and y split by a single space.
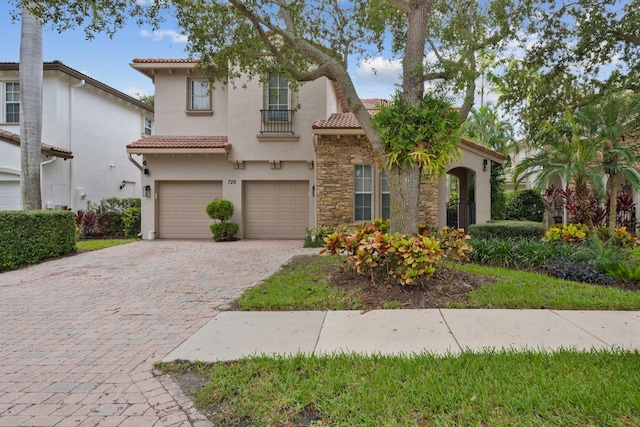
485 162
146 171
146 191
124 183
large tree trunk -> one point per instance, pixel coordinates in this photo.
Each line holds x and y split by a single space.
404 187
30 110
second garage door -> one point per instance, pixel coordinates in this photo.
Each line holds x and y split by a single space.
181 208
276 209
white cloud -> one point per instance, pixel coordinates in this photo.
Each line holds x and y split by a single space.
380 71
159 35
135 92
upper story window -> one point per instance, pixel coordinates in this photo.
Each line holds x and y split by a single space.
148 126
198 96
12 102
278 99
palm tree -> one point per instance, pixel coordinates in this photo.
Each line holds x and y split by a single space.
567 148
614 119
30 109
486 128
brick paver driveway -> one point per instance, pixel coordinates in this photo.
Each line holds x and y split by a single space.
79 335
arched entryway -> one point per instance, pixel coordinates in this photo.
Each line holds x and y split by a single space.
461 198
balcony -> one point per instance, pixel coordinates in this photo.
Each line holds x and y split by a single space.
276 121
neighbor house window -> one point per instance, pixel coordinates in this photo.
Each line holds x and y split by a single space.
199 97
385 197
363 192
148 126
12 102
278 97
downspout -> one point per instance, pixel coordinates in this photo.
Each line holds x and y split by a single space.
71 186
136 164
46 162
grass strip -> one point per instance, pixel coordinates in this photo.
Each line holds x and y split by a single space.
564 388
521 289
298 287
95 244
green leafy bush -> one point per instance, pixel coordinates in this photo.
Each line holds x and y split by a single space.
131 220
525 205
27 237
105 219
516 252
222 231
314 237
405 258
571 233
505 229
221 210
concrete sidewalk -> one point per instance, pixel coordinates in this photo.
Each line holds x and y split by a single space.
232 335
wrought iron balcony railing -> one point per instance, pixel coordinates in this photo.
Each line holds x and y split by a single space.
276 121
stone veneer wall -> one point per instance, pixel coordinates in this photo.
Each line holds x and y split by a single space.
335 159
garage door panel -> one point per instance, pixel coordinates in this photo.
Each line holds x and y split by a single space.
181 208
10 195
276 209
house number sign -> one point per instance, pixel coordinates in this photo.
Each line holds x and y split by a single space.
231 181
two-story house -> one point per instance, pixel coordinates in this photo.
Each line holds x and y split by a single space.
85 126
250 145
287 160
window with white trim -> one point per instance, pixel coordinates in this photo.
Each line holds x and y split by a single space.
363 192
148 126
199 95
12 102
278 98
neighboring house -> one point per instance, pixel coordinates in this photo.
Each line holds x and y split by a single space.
261 146
86 125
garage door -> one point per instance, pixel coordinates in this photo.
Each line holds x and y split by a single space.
10 198
181 205
276 209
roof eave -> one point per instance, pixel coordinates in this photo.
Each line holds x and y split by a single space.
333 131
178 150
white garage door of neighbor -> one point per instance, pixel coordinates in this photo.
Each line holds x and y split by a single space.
181 208
276 209
10 197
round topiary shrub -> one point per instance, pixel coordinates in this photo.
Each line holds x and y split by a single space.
220 209
525 205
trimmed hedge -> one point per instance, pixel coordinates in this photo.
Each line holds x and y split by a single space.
27 237
506 229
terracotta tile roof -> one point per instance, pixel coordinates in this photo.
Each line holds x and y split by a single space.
338 121
164 61
180 142
482 148
47 150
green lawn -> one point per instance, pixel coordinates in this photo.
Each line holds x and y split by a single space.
305 288
505 388
92 245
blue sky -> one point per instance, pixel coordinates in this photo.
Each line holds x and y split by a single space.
107 60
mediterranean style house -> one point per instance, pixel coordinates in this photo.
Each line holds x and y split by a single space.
263 147
85 127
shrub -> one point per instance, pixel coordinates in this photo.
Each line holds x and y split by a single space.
406 258
106 218
525 205
131 220
504 229
516 252
221 210
578 272
315 235
27 237
571 233
222 231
